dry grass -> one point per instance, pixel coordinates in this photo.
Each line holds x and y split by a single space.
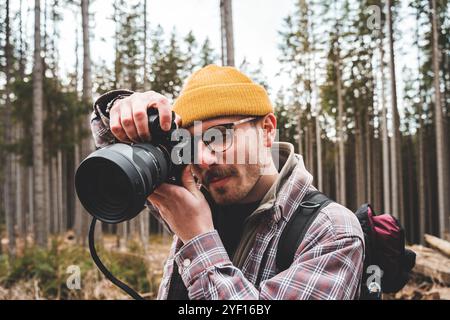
41 274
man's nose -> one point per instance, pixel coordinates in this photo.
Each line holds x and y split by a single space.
205 156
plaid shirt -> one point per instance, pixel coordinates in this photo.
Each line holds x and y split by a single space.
327 265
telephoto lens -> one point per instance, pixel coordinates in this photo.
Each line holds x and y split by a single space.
113 183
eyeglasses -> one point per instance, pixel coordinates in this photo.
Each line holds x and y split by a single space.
220 138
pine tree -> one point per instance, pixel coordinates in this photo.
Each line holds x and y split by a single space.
441 159
207 55
9 187
38 151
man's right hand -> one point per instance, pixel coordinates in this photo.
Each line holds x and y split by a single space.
129 119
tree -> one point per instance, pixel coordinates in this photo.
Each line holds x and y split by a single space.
256 73
9 187
439 125
167 65
145 47
226 18
340 117
207 55
191 54
38 142
384 125
396 167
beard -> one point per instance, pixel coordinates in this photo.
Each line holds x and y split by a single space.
242 180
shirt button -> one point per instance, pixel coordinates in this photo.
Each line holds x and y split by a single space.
186 263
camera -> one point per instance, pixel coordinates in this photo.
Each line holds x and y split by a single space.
113 182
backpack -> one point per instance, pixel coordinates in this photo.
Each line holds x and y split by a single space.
387 262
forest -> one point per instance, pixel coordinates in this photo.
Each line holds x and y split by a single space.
368 131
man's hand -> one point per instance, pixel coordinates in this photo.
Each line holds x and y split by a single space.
129 120
185 209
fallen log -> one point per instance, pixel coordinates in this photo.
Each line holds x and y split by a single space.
439 244
432 264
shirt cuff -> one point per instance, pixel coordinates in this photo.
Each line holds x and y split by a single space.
199 254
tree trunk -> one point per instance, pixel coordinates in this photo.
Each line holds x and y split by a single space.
38 148
87 144
396 173
134 228
368 156
226 15
145 47
9 187
337 177
384 134
50 194
144 225
420 150
79 215
312 136
65 206
47 204
377 175
20 210
359 159
319 155
31 196
340 130
22 61
308 144
300 135
123 234
439 126
60 189
87 78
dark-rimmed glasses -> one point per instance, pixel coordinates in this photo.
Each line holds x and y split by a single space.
219 138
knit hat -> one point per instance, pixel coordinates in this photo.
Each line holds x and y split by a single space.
215 91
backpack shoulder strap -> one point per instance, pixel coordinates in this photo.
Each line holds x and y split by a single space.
295 230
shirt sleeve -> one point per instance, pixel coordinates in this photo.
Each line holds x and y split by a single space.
327 266
99 120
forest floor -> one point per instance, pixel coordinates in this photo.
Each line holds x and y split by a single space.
42 274
430 278
39 274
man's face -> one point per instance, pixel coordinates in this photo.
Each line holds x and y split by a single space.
229 175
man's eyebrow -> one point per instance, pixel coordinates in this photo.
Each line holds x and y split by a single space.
192 128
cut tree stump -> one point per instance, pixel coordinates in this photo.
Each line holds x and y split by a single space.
439 244
432 264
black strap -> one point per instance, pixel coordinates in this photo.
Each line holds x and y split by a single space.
297 226
102 267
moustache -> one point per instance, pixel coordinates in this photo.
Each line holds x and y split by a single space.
216 173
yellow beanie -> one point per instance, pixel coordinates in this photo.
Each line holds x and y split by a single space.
215 91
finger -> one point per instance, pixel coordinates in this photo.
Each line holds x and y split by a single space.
127 121
188 181
116 126
155 199
177 120
140 119
164 108
167 191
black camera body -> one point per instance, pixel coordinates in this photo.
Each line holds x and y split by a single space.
113 182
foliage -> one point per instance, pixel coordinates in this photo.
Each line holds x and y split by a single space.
48 267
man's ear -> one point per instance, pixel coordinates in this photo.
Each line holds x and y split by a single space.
269 126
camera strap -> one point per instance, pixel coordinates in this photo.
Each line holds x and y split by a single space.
102 267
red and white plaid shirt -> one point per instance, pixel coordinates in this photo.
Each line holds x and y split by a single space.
328 263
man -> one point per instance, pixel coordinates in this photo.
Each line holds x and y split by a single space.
226 233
